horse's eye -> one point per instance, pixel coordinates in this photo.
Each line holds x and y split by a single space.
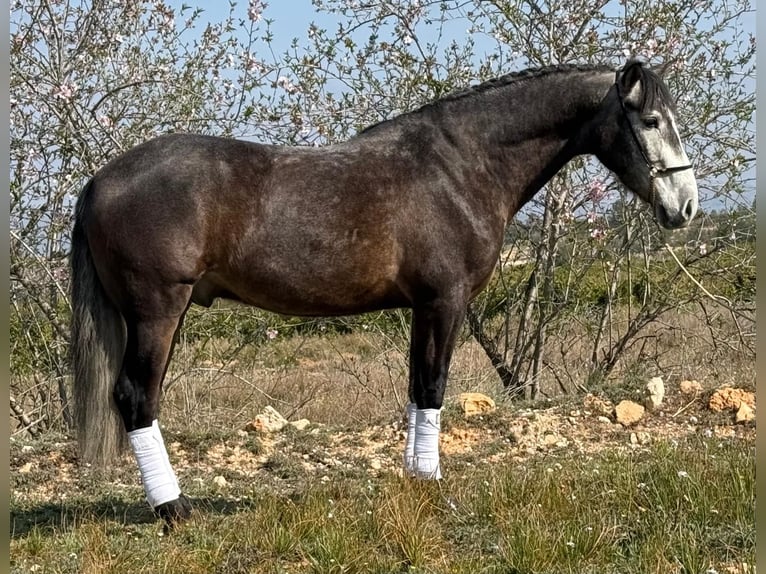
651 122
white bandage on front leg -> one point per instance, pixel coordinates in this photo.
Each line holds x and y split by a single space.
427 428
160 482
409 446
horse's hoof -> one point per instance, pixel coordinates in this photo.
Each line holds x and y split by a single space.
174 512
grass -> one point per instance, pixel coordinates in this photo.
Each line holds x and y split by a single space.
310 502
678 507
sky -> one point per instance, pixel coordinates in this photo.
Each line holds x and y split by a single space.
292 18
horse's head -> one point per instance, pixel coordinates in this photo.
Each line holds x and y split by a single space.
641 144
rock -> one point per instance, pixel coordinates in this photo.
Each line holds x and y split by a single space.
655 390
690 387
597 405
268 421
628 413
729 398
375 464
220 481
550 440
475 404
26 468
745 413
301 424
604 420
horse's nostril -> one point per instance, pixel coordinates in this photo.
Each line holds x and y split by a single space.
688 209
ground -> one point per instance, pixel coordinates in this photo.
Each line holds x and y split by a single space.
233 460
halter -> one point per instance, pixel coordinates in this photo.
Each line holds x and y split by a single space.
654 170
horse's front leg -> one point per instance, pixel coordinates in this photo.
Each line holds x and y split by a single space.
435 327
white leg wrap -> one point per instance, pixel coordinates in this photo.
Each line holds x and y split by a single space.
409 447
427 428
160 482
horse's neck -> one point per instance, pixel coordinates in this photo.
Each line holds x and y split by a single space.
528 130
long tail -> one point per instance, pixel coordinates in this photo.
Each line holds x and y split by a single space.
97 348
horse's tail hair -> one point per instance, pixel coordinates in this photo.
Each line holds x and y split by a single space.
97 348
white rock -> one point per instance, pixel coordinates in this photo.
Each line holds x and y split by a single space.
268 421
220 481
301 424
655 390
745 413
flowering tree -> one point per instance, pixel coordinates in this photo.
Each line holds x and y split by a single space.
89 80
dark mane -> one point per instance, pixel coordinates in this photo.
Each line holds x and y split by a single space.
499 82
654 89
518 77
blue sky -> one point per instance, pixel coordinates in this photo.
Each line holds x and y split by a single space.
291 19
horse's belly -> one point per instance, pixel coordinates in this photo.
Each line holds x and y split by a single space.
300 293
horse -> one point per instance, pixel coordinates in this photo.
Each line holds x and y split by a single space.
408 213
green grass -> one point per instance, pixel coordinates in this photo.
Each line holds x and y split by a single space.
675 507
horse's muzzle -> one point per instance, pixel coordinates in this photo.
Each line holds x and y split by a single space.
677 218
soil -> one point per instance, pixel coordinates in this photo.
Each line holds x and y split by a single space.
47 469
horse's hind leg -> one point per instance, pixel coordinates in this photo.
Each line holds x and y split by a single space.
435 327
137 395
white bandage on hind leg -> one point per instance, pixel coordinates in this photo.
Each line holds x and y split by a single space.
427 428
160 482
409 446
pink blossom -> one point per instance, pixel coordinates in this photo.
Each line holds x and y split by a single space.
65 91
650 49
597 190
271 334
252 64
285 83
597 233
255 10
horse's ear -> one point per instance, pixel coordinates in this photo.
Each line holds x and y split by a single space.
629 81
